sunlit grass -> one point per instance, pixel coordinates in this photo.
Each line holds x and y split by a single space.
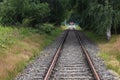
78 27
18 46
109 50
63 27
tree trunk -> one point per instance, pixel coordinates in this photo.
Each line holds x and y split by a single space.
108 33
65 22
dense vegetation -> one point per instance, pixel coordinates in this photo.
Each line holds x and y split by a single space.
25 29
18 46
100 16
15 12
21 21
31 12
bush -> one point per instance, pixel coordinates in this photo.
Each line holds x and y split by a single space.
23 12
47 28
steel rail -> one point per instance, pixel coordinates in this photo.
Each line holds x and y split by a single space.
89 60
54 60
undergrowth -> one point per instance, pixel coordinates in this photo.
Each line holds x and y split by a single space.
109 50
18 46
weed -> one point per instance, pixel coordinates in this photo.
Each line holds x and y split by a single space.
109 50
11 74
18 46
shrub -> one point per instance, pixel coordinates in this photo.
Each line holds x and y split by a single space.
47 28
24 12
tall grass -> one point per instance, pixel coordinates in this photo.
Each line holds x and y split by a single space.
109 50
18 46
8 35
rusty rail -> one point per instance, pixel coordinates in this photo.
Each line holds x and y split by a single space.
54 60
96 75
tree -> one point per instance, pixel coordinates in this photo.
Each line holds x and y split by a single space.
57 11
16 11
101 16
116 15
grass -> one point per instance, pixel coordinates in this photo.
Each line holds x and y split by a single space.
109 50
64 27
18 46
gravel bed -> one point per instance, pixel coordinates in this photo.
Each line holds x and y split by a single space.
72 64
37 68
98 62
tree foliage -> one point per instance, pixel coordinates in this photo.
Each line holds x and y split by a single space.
99 15
57 13
17 11
33 12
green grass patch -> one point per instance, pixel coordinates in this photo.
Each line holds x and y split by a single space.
78 27
9 35
109 50
105 56
19 67
94 37
113 67
64 27
51 37
19 46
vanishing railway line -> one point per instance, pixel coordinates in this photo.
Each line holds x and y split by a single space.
67 59
71 66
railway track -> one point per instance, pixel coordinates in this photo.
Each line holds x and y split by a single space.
71 64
